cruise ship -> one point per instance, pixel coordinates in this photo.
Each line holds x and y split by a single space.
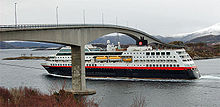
139 61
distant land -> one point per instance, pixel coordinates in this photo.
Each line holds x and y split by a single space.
206 39
4 45
123 39
26 44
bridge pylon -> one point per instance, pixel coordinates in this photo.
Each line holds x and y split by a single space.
78 72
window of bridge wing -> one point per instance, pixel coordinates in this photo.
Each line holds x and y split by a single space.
162 53
157 53
147 53
168 53
152 53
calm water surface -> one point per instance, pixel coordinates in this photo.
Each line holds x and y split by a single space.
158 93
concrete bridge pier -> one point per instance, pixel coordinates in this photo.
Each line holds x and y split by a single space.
78 72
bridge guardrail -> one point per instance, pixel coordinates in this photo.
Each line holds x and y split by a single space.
31 26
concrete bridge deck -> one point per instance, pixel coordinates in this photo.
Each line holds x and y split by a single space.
32 27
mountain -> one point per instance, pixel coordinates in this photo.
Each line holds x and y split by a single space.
27 44
208 35
212 30
4 45
167 39
123 39
206 39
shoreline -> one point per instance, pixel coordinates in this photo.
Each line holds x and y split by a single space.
26 58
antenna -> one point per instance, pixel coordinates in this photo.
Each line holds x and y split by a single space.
116 22
117 37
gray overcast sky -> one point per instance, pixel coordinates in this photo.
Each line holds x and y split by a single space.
156 17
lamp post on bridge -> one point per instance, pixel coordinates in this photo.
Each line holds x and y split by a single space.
102 18
57 15
16 14
116 20
84 17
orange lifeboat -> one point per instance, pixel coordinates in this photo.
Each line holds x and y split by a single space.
127 59
101 58
114 58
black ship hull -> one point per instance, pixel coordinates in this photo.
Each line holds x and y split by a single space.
129 73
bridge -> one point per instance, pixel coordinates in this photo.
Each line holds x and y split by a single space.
73 35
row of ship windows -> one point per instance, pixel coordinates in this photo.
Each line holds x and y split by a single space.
63 57
135 60
60 60
154 57
186 56
91 65
184 60
181 52
88 57
149 53
188 65
160 65
61 64
70 64
158 60
148 65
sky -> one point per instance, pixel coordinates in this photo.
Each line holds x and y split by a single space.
156 17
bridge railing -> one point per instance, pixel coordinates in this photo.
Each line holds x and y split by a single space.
28 26
39 26
35 26
22 26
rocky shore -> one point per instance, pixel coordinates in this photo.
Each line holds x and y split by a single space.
199 51
26 58
202 58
